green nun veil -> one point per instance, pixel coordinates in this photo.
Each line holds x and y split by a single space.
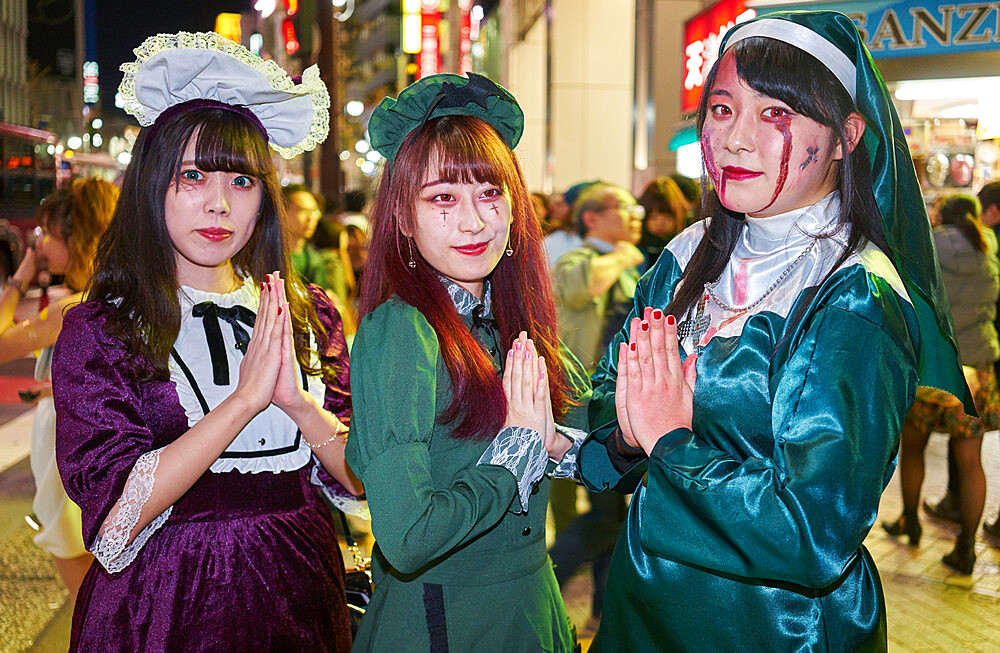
833 39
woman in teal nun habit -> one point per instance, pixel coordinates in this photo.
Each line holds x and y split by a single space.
754 400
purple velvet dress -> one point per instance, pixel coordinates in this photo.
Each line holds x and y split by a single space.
242 561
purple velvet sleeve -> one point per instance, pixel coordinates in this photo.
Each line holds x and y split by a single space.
99 431
336 372
333 357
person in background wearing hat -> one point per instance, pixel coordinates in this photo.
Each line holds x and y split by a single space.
594 286
754 400
457 378
201 395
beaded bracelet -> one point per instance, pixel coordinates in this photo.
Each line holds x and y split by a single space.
326 442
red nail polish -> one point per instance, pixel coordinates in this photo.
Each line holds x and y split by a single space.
657 314
631 346
279 310
262 286
671 320
644 326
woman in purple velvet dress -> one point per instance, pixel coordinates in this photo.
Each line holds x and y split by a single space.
201 391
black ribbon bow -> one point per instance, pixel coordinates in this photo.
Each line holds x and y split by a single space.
480 322
478 90
211 313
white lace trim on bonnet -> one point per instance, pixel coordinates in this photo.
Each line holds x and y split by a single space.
175 68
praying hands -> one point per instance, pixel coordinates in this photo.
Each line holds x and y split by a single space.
654 390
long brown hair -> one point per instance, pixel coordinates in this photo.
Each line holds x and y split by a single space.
78 214
466 150
136 267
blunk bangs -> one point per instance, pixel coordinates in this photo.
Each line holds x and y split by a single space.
463 159
464 149
793 76
231 143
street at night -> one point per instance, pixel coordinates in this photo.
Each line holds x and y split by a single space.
620 326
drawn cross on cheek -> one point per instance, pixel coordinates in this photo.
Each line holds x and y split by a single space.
813 155
493 207
444 216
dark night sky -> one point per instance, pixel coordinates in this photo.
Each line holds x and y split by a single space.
121 25
124 24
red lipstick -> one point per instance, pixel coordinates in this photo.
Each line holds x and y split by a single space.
474 249
215 234
737 173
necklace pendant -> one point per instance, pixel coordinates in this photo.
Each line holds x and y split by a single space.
697 326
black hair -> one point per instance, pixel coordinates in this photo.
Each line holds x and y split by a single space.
136 267
989 195
798 79
962 211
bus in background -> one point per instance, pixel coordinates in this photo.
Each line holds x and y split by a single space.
28 174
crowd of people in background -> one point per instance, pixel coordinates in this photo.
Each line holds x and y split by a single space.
508 350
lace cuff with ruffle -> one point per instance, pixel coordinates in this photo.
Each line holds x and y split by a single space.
522 452
111 547
343 501
567 467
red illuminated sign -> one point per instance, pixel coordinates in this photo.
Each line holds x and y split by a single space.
429 59
291 41
465 40
702 35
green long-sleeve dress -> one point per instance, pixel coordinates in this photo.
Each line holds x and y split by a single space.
745 532
458 564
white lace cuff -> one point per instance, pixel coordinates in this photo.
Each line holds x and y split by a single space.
345 503
567 468
522 452
111 546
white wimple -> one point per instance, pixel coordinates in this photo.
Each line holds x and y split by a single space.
806 40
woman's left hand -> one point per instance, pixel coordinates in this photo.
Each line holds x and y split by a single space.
288 392
556 444
660 389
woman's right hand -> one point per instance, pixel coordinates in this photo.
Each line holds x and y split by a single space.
262 361
27 268
526 387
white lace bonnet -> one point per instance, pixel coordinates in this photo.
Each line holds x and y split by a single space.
175 72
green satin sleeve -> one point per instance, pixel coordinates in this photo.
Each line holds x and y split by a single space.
840 388
396 371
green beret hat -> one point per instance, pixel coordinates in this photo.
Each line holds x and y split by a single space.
444 95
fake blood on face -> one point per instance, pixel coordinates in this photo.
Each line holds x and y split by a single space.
710 167
782 125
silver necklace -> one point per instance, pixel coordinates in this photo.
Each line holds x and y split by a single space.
709 287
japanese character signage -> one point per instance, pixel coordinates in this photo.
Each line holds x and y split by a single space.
702 35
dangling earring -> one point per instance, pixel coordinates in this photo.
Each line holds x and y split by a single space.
510 252
409 245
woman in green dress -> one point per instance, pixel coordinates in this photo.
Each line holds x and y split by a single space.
453 431
759 389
